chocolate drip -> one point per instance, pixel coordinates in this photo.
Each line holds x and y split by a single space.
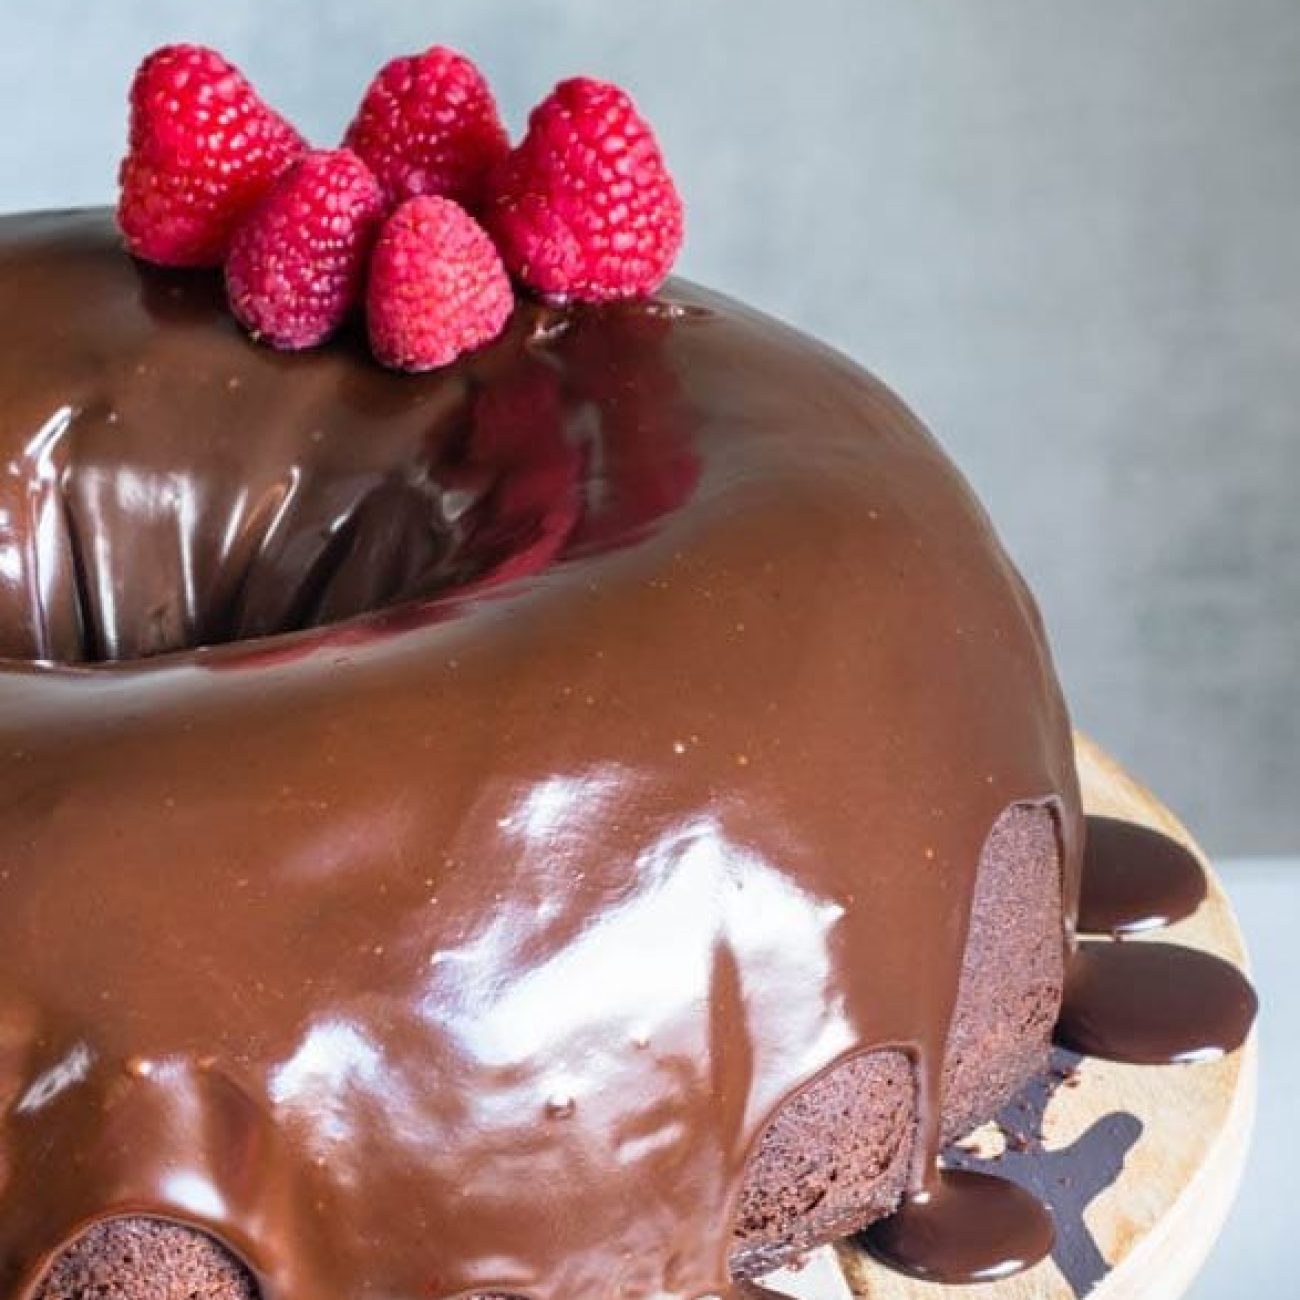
1135 879
1143 1003
1154 1004
964 1227
1067 1179
367 738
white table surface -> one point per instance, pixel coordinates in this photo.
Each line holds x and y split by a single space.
1255 1257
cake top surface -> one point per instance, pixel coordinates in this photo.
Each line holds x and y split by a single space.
371 737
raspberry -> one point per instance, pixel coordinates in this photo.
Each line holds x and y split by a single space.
203 150
585 209
429 125
437 286
297 265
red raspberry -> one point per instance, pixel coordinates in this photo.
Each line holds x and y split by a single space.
297 265
437 286
203 149
585 207
429 125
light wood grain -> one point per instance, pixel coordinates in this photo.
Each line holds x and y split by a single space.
1181 1131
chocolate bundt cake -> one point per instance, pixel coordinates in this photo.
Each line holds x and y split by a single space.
588 821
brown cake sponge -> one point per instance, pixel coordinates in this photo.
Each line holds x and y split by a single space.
837 1155
834 1158
146 1259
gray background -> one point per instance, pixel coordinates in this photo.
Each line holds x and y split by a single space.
1066 232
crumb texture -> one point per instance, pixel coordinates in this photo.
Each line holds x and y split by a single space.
146 1259
836 1156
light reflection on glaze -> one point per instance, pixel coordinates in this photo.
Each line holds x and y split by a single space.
31 525
194 1196
333 1060
57 1079
659 790
706 895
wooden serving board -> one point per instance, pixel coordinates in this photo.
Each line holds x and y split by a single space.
1140 1163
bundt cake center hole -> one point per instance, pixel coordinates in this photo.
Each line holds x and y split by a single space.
124 562
137 588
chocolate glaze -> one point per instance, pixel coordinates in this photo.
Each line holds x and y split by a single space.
1066 1179
965 1227
655 788
1154 1004
1135 878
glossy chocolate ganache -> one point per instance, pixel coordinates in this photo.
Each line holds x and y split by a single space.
446 819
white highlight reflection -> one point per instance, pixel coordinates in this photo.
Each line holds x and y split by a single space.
57 1079
651 951
333 1059
194 1195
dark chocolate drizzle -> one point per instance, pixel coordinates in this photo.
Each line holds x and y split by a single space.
1135 878
1068 1179
650 624
964 1227
1141 1003
1154 1004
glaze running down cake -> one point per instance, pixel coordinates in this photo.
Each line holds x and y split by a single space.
589 820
